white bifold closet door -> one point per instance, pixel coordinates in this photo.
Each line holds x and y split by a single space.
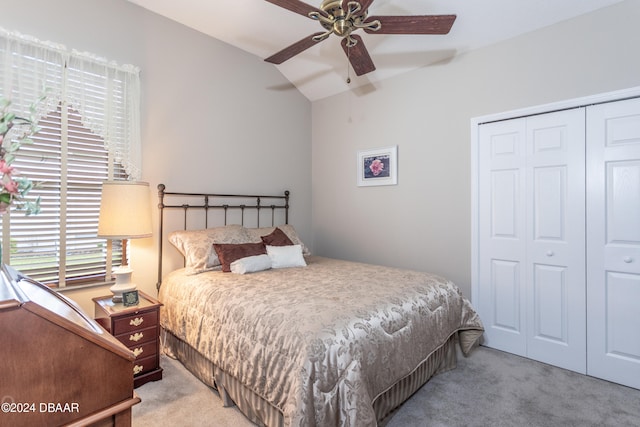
613 240
531 255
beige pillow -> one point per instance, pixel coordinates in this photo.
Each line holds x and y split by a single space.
197 245
257 233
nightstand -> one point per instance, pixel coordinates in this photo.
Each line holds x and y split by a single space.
138 328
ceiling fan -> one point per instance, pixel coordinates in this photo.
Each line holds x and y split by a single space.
342 17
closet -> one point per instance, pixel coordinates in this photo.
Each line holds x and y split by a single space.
556 236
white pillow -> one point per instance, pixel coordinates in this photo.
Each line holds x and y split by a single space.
286 256
251 264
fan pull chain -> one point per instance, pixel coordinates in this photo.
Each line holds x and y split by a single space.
348 61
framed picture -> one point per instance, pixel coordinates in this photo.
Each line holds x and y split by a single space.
378 166
129 299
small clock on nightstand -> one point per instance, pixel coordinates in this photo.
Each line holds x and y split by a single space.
138 328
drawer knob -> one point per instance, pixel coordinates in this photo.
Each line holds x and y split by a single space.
138 351
137 369
136 337
550 253
137 321
627 259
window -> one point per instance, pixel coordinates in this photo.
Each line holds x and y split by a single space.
70 171
89 133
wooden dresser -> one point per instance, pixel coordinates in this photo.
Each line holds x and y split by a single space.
59 367
138 328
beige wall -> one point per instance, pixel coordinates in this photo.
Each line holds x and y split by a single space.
212 117
424 222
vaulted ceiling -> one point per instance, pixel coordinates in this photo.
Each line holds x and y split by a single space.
262 28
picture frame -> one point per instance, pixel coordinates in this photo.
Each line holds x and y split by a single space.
130 299
378 166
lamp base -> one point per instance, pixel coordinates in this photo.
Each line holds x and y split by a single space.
123 283
118 290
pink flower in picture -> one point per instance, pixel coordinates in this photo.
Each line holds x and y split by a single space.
377 167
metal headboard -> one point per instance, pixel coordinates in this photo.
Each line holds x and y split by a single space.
209 201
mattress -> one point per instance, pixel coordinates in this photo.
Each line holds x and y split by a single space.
317 345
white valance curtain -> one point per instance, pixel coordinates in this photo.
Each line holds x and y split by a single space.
106 95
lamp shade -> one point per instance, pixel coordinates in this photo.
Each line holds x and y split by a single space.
124 210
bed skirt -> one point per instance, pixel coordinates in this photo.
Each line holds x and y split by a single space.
262 413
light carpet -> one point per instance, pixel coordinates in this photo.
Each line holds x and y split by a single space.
489 388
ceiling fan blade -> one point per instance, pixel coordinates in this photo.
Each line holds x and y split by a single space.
297 6
358 56
293 50
419 24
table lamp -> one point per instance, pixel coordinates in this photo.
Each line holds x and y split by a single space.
124 214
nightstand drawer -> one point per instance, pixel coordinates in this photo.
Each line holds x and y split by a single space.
135 322
144 350
140 366
138 337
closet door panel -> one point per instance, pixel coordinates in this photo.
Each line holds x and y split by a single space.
556 297
549 203
622 209
550 294
613 238
622 296
501 235
505 291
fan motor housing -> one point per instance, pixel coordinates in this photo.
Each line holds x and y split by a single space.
339 24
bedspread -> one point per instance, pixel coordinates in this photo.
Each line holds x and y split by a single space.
319 342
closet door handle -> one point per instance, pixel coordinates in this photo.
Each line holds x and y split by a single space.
627 259
550 253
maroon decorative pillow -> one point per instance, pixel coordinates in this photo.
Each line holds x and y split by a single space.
229 252
277 238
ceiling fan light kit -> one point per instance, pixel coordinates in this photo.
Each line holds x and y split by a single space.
342 17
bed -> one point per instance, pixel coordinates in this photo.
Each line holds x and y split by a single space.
305 340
